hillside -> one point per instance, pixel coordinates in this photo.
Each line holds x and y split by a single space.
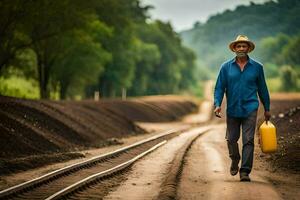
258 21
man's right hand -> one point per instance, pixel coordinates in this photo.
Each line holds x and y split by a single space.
217 111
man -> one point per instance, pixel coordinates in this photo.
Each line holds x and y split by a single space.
241 78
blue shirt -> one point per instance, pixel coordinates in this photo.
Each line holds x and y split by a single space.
241 88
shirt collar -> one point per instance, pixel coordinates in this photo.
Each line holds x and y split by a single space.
250 60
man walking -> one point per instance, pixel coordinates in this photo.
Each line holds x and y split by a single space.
241 79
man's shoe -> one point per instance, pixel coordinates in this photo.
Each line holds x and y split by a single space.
244 177
234 168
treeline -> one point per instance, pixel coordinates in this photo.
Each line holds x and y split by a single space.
75 47
262 23
281 57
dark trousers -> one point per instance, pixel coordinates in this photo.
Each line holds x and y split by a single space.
234 126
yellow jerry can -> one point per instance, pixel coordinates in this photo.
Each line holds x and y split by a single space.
268 140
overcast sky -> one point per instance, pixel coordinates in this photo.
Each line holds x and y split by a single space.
184 13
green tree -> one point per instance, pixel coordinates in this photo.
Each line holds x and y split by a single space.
82 61
167 75
147 56
188 72
291 51
51 21
13 15
288 79
72 46
270 48
121 17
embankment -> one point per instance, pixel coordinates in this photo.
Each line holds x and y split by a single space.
34 133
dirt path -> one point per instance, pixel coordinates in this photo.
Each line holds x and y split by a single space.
146 176
206 173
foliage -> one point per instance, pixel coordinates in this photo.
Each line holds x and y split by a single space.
122 18
19 87
274 84
283 55
291 51
288 79
269 25
175 69
147 56
72 48
81 60
270 49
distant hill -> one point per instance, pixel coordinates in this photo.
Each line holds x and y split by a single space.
257 21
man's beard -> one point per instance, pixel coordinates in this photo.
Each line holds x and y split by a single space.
241 54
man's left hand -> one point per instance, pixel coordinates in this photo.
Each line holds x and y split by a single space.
267 116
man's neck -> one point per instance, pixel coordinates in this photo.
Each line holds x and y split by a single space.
242 59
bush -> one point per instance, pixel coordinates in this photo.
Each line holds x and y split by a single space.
288 78
19 87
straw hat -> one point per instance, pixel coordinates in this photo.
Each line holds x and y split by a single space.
241 38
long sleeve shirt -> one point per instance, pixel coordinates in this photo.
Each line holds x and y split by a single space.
241 88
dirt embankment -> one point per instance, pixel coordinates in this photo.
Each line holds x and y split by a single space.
285 110
35 133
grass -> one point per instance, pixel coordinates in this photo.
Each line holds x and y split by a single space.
19 87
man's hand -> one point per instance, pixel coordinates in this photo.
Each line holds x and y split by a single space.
267 116
217 111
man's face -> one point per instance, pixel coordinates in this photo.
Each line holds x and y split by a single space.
241 49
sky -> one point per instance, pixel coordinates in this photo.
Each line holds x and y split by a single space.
184 13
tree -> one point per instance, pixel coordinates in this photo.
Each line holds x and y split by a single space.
72 46
270 48
166 76
121 17
288 79
51 21
147 56
82 61
13 14
291 51
188 72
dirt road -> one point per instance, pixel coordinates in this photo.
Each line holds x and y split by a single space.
205 173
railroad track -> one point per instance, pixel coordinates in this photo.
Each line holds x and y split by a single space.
62 182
